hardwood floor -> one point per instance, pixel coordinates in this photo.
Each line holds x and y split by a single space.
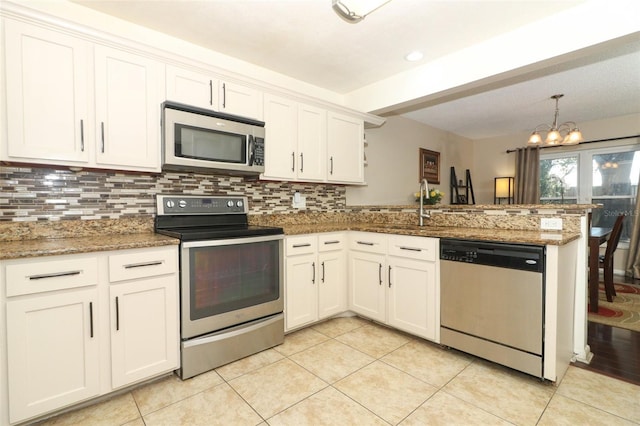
617 350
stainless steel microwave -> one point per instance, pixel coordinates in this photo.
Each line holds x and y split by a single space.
206 141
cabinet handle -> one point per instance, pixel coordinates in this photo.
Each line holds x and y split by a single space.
380 273
331 169
140 265
410 248
91 318
365 243
224 95
82 135
322 279
293 161
301 162
102 135
117 314
389 276
313 268
301 245
210 92
54 275
332 242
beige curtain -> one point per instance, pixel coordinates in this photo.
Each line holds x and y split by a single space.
527 175
633 260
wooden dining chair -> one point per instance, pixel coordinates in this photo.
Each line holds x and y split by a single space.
606 260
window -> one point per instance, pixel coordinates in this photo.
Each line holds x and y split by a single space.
607 176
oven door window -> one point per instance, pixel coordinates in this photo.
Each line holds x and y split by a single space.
210 145
230 277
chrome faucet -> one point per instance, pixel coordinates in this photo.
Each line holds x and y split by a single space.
422 193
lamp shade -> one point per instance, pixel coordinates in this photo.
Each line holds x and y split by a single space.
503 189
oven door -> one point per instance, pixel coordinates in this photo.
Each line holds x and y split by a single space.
229 282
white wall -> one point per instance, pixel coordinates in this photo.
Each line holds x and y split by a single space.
392 174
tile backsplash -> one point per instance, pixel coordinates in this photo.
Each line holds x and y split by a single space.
41 194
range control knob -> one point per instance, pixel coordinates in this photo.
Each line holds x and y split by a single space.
230 203
182 204
239 203
171 204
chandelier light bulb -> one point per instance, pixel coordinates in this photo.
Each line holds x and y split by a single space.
535 139
553 137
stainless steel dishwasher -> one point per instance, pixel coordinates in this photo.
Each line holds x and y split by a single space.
492 302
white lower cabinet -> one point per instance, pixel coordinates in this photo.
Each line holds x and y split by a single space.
144 334
393 279
367 275
59 309
315 278
411 296
53 351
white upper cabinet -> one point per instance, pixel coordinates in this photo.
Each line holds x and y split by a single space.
191 88
281 137
127 109
295 140
345 148
207 91
55 116
238 99
47 95
312 142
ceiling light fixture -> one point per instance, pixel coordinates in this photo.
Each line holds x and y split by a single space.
356 10
557 134
414 56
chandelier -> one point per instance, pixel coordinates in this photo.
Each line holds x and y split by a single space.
357 9
557 134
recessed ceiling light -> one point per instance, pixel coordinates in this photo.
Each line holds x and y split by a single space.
414 56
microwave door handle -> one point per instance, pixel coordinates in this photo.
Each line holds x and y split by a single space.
252 150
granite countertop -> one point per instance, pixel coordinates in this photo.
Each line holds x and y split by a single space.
23 240
60 246
500 235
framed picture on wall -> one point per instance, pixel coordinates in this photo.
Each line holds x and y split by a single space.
429 166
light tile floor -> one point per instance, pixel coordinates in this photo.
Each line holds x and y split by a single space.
349 371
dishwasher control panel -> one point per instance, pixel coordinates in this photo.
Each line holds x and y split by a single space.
458 255
524 257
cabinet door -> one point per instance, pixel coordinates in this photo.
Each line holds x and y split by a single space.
144 329
312 143
47 96
240 100
412 296
281 134
332 288
127 110
301 290
367 280
192 88
345 149
53 351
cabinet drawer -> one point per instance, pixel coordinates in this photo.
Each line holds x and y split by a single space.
56 273
331 242
369 242
303 244
142 264
419 248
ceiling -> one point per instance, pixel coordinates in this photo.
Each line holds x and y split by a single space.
306 40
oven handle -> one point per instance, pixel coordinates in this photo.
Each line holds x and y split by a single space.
225 335
232 241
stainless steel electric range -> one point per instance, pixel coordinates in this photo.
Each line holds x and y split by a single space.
231 279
